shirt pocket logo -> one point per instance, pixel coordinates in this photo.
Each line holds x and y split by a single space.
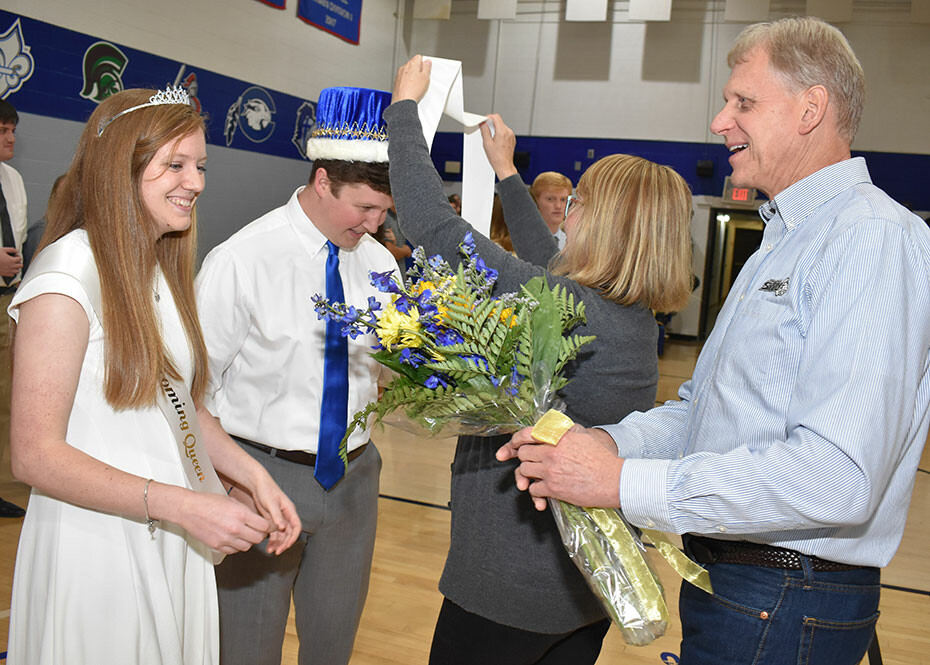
777 286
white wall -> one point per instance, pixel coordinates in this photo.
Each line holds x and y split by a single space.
618 79
660 81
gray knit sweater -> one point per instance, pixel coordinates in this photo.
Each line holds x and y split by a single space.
506 561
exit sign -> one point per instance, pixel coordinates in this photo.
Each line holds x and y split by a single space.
737 194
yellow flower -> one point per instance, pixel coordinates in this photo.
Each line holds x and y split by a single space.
507 316
421 286
396 329
440 293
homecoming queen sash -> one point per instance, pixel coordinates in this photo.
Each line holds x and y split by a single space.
176 404
173 397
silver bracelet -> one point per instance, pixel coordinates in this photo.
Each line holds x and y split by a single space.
145 499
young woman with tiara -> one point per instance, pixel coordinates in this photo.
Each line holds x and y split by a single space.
127 515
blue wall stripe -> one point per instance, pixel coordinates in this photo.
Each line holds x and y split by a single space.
905 177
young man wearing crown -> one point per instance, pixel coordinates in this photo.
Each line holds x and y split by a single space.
284 384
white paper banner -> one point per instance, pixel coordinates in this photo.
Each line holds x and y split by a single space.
445 95
650 10
586 10
497 9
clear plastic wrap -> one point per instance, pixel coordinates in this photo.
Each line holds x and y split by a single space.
612 559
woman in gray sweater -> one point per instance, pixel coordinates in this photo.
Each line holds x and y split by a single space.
512 595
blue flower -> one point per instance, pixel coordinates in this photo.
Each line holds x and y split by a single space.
468 244
478 360
436 380
384 281
373 304
435 261
325 314
403 304
448 337
350 331
489 273
351 315
495 381
411 358
428 312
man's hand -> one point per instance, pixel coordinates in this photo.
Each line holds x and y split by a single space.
500 147
11 261
412 79
583 469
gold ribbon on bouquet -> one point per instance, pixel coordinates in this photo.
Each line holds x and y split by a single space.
550 429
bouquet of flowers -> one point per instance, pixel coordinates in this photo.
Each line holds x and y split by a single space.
465 362
470 363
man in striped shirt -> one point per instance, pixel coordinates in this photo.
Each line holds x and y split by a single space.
789 460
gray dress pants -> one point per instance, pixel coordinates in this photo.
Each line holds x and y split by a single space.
327 569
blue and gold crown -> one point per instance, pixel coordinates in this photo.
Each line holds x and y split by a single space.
349 125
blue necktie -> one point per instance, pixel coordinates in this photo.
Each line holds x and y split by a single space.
334 411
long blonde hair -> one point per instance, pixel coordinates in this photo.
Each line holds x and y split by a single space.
632 240
101 194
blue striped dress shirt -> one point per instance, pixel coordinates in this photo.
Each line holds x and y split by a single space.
805 418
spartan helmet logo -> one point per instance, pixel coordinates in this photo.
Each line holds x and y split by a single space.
103 66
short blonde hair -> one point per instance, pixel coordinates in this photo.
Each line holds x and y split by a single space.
806 51
632 240
549 180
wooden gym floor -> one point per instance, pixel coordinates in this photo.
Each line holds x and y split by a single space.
413 536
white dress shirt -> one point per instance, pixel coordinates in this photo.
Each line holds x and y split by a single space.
263 336
15 194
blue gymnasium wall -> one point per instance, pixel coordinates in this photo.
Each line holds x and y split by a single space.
906 177
55 84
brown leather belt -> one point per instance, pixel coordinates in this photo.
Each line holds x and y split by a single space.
295 456
710 550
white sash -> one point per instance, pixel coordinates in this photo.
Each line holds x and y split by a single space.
174 398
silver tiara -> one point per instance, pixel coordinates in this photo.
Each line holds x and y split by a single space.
170 95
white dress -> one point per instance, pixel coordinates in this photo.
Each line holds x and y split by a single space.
91 587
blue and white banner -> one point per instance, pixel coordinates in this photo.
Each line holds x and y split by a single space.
342 18
52 71
277 4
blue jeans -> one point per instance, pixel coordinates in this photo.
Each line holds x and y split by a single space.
770 616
